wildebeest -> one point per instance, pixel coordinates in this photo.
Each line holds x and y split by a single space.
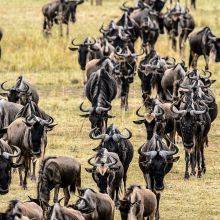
126 70
60 12
6 164
56 173
107 171
23 211
1 35
30 135
88 50
63 213
203 43
155 161
21 92
138 203
118 143
179 22
192 113
100 90
95 205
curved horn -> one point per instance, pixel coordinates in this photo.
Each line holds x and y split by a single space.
83 110
89 161
97 137
91 43
76 45
128 136
164 153
138 114
113 163
196 112
158 111
8 155
2 86
102 109
25 90
102 30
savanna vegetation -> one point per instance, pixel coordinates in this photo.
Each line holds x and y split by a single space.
48 64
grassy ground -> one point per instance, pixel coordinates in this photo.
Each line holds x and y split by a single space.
54 70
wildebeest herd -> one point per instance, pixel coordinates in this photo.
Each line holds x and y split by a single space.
184 106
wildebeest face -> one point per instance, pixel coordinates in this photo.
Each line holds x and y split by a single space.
82 59
187 125
5 177
37 133
157 171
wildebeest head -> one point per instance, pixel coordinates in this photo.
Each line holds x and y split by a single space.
85 203
215 42
158 161
188 121
130 204
112 139
86 49
102 168
16 94
36 132
5 168
97 115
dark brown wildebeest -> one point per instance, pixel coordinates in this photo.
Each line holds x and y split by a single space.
23 211
21 92
114 141
30 135
60 12
1 35
56 173
155 161
107 171
6 163
101 89
203 43
94 205
138 203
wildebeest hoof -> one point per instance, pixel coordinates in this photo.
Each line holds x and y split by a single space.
204 170
193 173
199 175
186 177
24 187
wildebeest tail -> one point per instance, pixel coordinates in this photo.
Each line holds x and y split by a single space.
190 58
45 24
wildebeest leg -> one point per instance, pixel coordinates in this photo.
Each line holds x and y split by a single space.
187 165
199 174
67 29
181 39
20 176
206 62
26 169
67 196
193 164
195 60
56 194
33 176
203 160
157 215
116 194
126 99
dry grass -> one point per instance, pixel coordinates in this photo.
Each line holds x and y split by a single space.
54 70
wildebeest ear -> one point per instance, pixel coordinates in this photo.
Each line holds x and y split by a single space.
50 127
138 122
213 81
5 94
115 169
89 170
15 165
73 49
